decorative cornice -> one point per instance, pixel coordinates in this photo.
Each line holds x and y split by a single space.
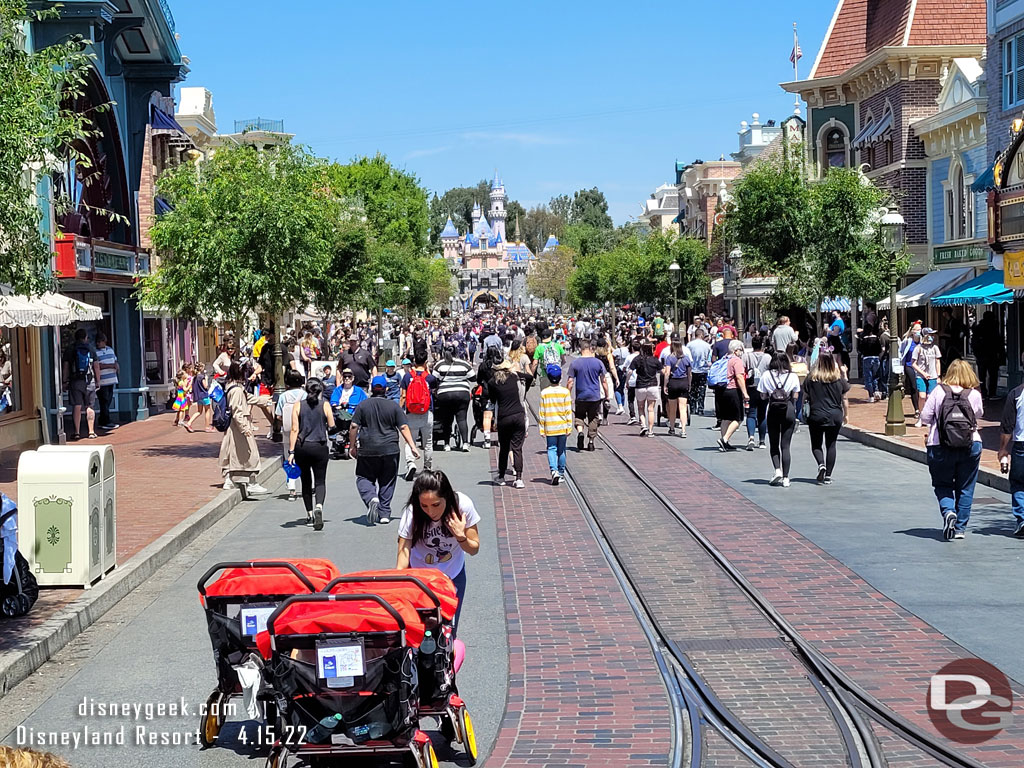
880 70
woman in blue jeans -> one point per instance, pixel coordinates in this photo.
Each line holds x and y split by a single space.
954 470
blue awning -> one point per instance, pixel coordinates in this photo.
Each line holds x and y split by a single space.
986 181
986 288
162 206
162 121
843 305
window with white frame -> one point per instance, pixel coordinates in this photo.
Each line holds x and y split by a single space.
1013 71
959 205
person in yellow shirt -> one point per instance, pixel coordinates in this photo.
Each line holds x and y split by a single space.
555 420
258 346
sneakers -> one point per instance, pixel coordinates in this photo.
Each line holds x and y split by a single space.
228 485
918 423
960 535
632 422
255 489
949 525
501 480
821 474
590 446
372 514
761 445
671 431
292 495
828 480
776 478
557 478
579 442
1019 533
750 444
723 446
318 517
785 482
620 411
446 448
463 448
487 443
384 519
519 483
410 472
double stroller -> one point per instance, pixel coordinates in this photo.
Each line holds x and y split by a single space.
18 588
350 669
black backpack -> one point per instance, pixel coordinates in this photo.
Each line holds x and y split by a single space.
778 398
957 423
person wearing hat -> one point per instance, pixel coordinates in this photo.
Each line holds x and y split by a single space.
373 439
347 395
555 420
394 388
359 361
926 361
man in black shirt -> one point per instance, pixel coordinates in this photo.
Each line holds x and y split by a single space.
266 361
377 423
359 361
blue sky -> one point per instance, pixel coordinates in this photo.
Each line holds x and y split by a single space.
556 95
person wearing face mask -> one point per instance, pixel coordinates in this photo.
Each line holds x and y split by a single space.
437 530
927 364
910 342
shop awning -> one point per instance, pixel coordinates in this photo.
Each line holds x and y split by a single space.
828 305
987 180
45 310
986 288
923 289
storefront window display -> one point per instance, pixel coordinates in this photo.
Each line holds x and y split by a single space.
10 363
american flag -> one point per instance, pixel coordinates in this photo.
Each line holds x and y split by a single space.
796 54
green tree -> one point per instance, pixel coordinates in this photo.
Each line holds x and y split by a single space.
38 133
393 202
589 207
247 231
551 272
458 203
514 212
540 223
337 273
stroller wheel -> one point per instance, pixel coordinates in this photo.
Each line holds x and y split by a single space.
423 754
468 735
212 720
278 758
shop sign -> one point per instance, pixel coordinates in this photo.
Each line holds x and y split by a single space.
114 261
958 254
1013 269
1011 220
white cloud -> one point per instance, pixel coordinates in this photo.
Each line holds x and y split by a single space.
524 139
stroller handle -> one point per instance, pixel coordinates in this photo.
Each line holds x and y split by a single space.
254 564
386 578
320 597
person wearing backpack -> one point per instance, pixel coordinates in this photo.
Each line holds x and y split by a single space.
676 375
81 372
239 455
418 387
756 362
826 391
951 413
780 387
548 352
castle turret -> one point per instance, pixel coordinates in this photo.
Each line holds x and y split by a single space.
497 212
477 213
450 239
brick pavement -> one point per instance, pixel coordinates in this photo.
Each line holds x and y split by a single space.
870 417
887 650
164 474
733 647
584 689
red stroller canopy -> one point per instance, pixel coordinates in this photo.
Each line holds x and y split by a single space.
313 618
245 582
436 581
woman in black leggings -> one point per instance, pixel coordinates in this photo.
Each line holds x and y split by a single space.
780 387
503 390
825 389
309 448
451 401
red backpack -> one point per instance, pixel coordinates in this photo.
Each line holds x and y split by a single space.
417 394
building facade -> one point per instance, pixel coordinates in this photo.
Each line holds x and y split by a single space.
660 210
489 270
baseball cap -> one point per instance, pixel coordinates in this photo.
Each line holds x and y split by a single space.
389 364
554 370
406 361
379 381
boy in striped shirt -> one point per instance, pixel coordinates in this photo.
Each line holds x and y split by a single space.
555 420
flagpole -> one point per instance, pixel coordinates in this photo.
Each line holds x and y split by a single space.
796 69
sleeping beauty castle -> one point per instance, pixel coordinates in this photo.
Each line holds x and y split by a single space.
490 270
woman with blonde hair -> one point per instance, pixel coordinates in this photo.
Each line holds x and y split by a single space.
954 445
825 390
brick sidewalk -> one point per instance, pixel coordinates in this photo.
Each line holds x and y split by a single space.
883 647
164 474
583 687
870 417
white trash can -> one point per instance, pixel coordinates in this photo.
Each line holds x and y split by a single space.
108 539
60 521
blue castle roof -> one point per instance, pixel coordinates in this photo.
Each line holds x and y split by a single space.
518 253
482 229
497 182
449 229
551 243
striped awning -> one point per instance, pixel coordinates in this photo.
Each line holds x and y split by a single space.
841 304
45 310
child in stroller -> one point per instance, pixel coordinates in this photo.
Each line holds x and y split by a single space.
18 587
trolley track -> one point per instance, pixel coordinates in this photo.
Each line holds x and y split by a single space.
856 715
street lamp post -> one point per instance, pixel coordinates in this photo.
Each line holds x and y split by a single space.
378 287
405 292
677 279
892 226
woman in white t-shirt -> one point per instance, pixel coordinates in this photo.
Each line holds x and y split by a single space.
780 387
438 529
